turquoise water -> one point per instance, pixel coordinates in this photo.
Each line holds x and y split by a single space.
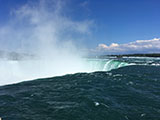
123 89
105 64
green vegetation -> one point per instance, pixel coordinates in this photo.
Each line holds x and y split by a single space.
133 55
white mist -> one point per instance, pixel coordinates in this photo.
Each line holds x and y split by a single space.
41 28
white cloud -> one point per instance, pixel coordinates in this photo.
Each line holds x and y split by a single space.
139 46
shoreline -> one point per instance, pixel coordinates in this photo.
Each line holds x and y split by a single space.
133 55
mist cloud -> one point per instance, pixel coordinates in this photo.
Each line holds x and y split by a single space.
42 28
42 24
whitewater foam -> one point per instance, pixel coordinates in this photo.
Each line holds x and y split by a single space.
13 71
17 71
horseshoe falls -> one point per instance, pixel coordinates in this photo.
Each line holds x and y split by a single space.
111 88
48 64
17 71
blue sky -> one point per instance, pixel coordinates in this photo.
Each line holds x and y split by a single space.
123 21
114 21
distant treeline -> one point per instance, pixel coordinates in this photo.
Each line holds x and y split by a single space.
15 55
134 55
